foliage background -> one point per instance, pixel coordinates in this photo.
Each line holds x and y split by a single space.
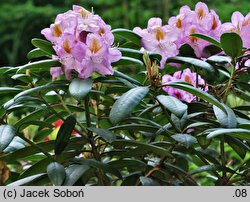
22 20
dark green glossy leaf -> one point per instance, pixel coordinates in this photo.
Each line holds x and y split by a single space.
74 143
9 90
243 134
37 53
100 165
105 134
203 169
227 120
136 127
56 173
73 173
127 61
146 181
184 139
196 62
126 104
232 44
79 88
143 147
207 38
219 59
42 65
7 133
197 92
125 76
44 45
27 180
238 146
174 105
64 133
128 35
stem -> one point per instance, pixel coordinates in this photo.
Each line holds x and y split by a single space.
70 113
223 160
95 152
62 118
239 167
229 84
207 163
169 118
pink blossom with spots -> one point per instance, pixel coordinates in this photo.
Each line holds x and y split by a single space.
241 25
187 76
83 43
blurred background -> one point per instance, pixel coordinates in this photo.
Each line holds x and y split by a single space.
22 20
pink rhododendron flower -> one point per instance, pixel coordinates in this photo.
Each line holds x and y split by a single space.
187 76
167 39
83 43
199 21
240 25
159 39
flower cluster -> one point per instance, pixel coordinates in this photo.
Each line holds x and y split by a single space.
240 25
83 43
167 39
159 39
187 76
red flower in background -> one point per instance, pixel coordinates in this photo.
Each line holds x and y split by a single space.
59 122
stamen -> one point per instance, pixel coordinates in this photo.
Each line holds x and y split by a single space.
57 31
159 34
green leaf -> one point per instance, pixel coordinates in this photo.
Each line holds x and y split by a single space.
137 54
124 106
100 165
79 88
36 115
196 62
42 65
36 53
128 163
27 180
44 45
219 59
16 144
9 90
56 173
231 44
73 173
146 181
135 127
197 92
207 38
128 35
243 134
227 120
105 134
64 133
184 139
143 147
203 169
187 51
22 77
238 146
127 61
126 77
45 88
75 144
203 141
7 133
174 105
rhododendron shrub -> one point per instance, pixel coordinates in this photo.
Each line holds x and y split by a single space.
163 105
